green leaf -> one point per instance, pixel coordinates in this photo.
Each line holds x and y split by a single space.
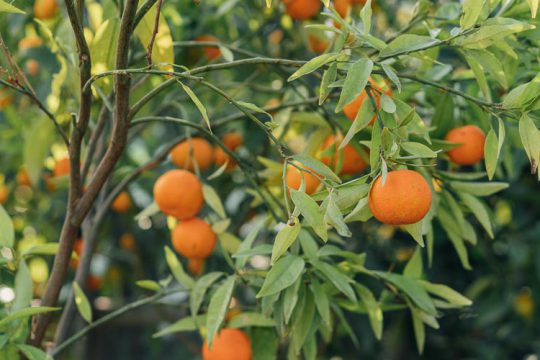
419 329
446 293
103 49
387 104
33 353
248 319
418 149
254 108
412 289
337 278
246 244
282 275
303 319
317 166
373 309
7 235
523 95
329 76
219 303
479 189
26 312
199 290
365 15
480 76
491 64
290 298
23 287
355 82
414 266
285 238
163 49
391 74
313 65
200 106
186 324
415 230
494 29
148 285
212 198
362 119
530 137
407 43
41 249
83 305
334 217
177 269
8 8
479 211
263 249
375 148
533 5
322 302
491 155
38 138
311 212
456 239
471 11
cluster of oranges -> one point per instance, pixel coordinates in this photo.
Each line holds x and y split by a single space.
178 193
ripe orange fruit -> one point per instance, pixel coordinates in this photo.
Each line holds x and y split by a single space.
122 203
30 42
472 139
210 53
351 109
62 167
193 238
45 9
195 266
5 99
23 178
233 140
93 283
4 192
302 9
221 157
317 45
342 7
351 161
190 151
127 242
49 182
404 199
178 193
229 344
32 67
294 179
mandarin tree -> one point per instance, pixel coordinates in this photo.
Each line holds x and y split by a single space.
268 179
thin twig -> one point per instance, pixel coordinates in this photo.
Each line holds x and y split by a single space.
154 33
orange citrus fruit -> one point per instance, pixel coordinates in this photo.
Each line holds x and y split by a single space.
317 44
351 161
229 344
233 140
195 266
30 42
45 9
4 193
351 109
127 242
193 238
221 157
32 67
191 151
122 203
62 167
294 176
210 52
472 141
302 9
405 198
23 178
178 193
5 99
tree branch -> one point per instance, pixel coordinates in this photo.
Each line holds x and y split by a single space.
154 33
